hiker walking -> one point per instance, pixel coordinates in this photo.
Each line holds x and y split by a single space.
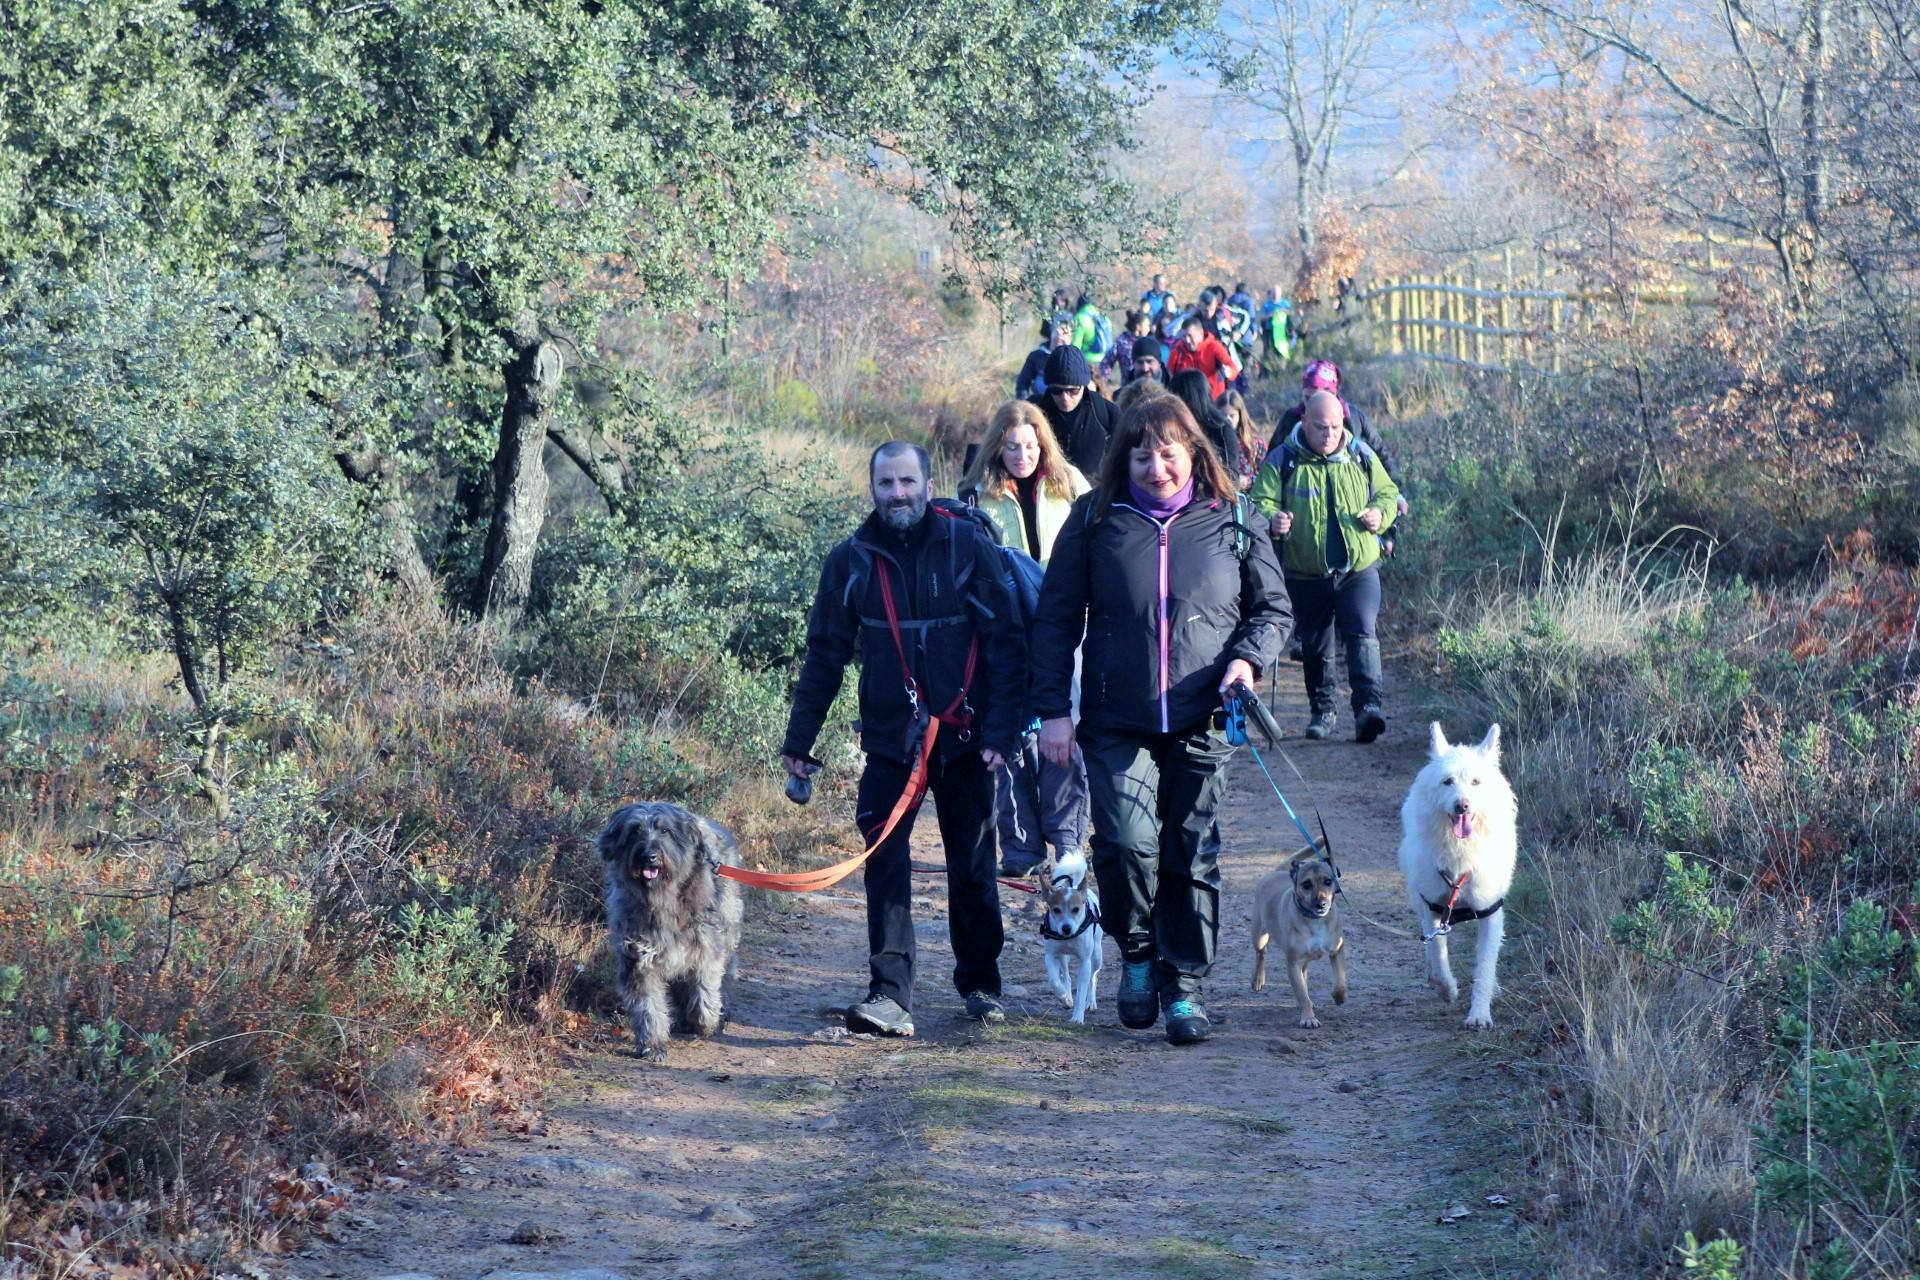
921 599
1032 378
1149 360
1092 332
1156 299
1175 602
1328 499
1117 368
1081 417
1191 386
1026 486
1275 320
1253 450
1199 349
1324 375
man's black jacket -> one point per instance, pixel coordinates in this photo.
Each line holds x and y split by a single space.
1083 434
948 586
1105 580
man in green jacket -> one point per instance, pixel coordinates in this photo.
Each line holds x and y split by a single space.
1328 499
1086 332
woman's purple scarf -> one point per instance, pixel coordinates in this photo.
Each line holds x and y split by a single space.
1162 508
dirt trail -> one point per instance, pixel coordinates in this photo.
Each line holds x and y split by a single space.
786 1148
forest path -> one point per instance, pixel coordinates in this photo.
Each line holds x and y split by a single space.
785 1147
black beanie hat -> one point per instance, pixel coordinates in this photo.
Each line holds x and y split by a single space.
1066 367
1153 347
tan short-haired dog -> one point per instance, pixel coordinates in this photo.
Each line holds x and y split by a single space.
1294 908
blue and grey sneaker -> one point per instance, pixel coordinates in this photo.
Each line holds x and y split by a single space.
1138 1000
1187 1022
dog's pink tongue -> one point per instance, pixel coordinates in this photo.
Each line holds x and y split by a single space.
649 873
1463 825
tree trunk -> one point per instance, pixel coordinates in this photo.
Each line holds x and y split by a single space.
1813 101
532 379
1303 205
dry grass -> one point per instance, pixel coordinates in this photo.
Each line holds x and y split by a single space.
1666 983
197 1010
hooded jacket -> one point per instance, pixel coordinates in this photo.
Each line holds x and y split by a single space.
1357 423
1357 480
948 587
1211 358
1083 434
1161 608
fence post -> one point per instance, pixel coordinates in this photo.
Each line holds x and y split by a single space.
1479 323
1553 322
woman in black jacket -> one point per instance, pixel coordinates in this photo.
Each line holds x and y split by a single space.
1191 386
1175 602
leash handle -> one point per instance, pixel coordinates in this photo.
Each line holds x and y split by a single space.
1251 707
827 877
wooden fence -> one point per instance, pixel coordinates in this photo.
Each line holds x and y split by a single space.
1499 327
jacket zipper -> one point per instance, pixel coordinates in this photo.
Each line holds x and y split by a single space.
1165 628
1164 681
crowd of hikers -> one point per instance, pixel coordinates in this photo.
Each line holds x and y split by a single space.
1049 651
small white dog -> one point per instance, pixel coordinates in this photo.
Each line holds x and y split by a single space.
1459 841
1071 927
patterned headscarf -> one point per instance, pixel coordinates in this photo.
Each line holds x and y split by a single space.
1320 375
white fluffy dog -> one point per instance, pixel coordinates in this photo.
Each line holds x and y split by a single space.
1459 841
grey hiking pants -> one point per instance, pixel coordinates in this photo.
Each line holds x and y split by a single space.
1039 801
1156 847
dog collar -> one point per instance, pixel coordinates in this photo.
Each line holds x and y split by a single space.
1451 915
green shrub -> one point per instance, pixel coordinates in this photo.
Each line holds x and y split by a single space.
1714 1260
449 963
1678 792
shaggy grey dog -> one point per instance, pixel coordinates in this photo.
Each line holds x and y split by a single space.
674 923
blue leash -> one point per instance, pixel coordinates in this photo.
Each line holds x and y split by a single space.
1236 728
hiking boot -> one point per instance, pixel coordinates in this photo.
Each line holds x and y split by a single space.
982 1007
1321 725
880 1016
1138 1002
1187 1022
1014 867
1370 723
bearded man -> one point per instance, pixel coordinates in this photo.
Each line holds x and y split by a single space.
920 596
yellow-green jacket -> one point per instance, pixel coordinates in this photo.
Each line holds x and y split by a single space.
1049 514
1357 479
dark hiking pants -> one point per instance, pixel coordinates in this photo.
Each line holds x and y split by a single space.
1040 801
963 802
1156 847
1349 602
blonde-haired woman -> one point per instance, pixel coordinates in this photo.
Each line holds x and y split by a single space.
1024 481
1027 486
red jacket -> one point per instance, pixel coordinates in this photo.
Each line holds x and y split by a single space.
1210 359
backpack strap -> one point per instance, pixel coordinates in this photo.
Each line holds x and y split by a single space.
959 712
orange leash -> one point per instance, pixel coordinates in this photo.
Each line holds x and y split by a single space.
827 877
